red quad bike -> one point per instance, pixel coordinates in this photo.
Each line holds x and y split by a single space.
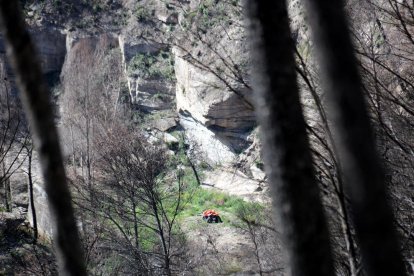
211 216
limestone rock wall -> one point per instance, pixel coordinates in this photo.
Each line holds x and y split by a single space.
225 118
51 45
208 99
149 90
217 121
43 215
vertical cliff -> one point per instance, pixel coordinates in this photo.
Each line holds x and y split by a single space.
158 63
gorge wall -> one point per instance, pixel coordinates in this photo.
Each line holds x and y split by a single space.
164 82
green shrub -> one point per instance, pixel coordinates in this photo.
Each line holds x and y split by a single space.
199 199
251 213
142 14
97 7
160 65
208 15
147 238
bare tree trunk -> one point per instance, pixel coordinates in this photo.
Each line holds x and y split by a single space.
286 149
36 101
9 199
338 186
31 196
88 160
346 230
363 175
7 188
73 149
165 246
193 167
134 212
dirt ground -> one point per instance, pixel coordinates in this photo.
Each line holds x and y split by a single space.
225 249
19 254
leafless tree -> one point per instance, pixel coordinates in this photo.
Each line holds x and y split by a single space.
257 222
14 136
382 37
328 169
137 203
87 73
364 181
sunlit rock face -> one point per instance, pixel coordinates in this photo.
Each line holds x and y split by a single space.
236 183
203 142
211 113
216 121
148 88
43 216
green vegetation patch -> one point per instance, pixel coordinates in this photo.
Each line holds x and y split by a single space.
211 14
142 13
231 208
195 199
160 65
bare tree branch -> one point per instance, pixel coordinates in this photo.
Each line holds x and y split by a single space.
364 179
287 155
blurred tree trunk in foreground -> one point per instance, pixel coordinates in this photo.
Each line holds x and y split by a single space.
286 148
36 101
364 178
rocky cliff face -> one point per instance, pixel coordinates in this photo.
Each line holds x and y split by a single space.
51 46
217 120
212 101
148 90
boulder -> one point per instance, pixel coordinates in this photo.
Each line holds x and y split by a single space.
257 173
166 12
204 142
171 141
165 124
236 183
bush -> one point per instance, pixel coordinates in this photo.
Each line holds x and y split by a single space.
159 65
199 199
142 14
209 15
252 213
